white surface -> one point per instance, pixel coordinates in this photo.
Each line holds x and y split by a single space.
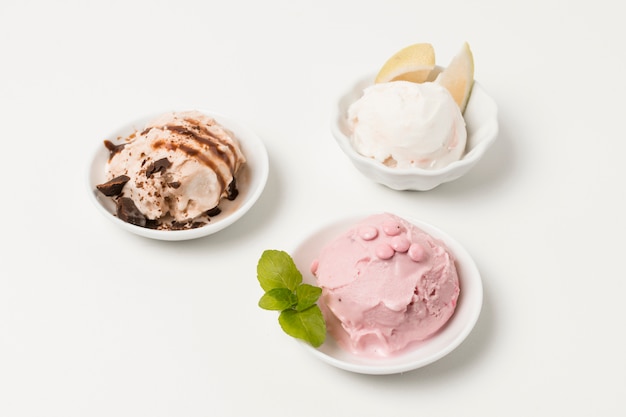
252 179
95 321
434 348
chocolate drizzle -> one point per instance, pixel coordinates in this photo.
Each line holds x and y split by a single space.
220 151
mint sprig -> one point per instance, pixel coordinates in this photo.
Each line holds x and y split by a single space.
300 316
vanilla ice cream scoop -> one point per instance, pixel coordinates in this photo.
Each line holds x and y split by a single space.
179 168
404 124
386 284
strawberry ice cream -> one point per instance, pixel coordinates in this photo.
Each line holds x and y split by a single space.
386 284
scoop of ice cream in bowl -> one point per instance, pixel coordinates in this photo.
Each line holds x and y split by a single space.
178 175
393 293
415 125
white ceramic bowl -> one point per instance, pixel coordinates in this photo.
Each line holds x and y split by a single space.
445 341
481 119
250 181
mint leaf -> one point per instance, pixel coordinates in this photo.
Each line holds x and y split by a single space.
307 295
307 325
276 269
278 299
300 315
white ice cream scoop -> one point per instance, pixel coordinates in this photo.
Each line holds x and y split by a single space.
403 124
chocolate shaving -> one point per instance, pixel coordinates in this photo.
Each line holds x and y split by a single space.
113 187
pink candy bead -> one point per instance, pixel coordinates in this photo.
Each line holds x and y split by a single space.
400 244
384 251
368 233
416 252
392 228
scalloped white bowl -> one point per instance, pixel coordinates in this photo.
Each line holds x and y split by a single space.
250 181
439 345
481 119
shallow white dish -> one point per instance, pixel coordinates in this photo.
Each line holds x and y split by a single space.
250 181
481 118
445 341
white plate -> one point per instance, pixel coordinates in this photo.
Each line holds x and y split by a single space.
250 181
445 341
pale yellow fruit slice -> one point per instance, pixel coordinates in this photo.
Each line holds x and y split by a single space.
458 77
413 63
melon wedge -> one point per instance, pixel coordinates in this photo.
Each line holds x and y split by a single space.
458 76
413 63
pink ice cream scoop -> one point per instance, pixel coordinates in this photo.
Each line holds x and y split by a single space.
385 285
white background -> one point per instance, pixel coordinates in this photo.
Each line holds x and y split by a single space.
95 321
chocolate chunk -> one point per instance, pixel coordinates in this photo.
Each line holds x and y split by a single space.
178 225
232 190
153 224
113 148
158 166
128 211
113 187
214 211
